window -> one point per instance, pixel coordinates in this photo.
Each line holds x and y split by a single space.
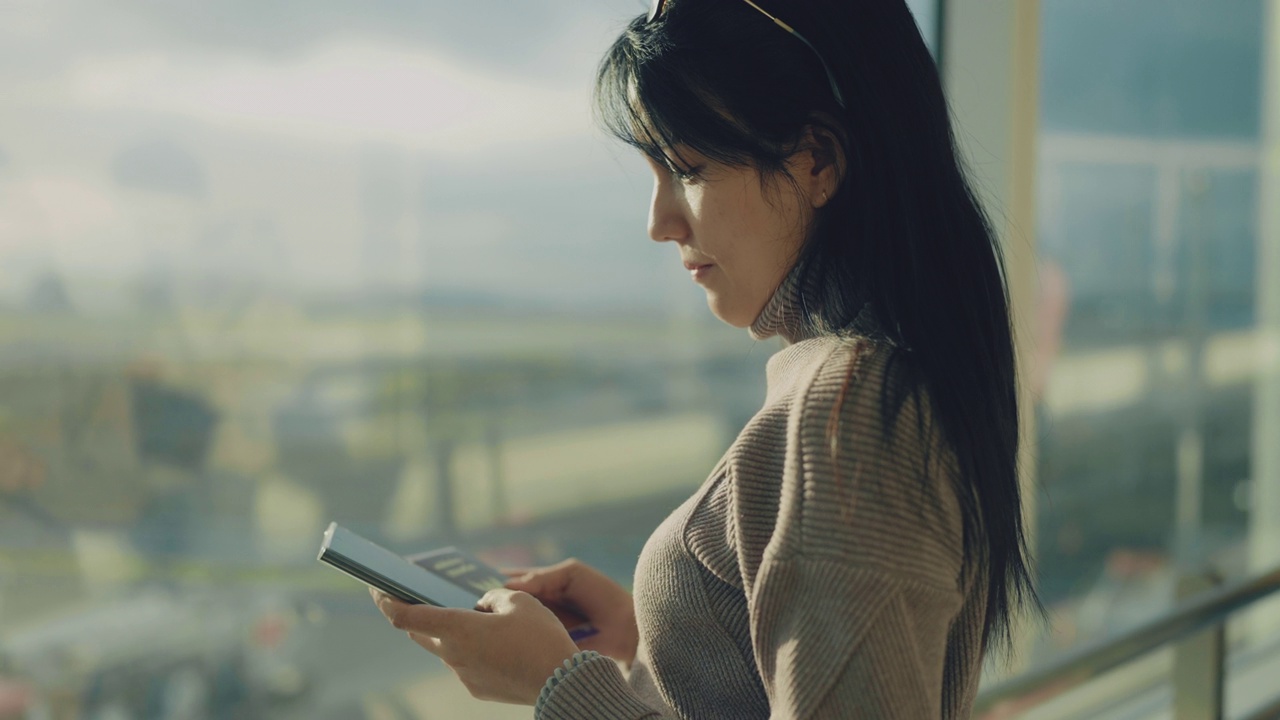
267 265
1154 308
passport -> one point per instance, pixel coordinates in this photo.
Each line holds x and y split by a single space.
462 569
474 575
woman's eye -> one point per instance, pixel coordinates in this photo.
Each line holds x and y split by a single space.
687 175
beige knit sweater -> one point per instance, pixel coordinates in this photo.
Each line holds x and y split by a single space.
798 583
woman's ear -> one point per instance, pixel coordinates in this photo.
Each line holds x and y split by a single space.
825 148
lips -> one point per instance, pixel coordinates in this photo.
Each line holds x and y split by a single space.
699 271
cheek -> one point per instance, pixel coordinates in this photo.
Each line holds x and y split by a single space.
774 231
701 212
729 220
753 237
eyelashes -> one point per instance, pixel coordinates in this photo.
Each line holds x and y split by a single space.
677 171
687 175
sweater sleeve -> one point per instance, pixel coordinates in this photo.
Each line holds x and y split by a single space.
835 641
590 686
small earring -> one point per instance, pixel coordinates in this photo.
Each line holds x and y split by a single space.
824 197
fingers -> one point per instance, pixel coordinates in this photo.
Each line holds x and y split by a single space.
587 590
419 619
435 646
502 601
548 583
575 586
426 625
528 579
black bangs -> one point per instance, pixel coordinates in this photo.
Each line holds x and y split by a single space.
647 100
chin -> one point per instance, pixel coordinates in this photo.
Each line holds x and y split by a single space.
730 313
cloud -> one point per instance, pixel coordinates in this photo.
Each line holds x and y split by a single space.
343 92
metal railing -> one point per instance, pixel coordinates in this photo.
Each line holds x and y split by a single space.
1199 666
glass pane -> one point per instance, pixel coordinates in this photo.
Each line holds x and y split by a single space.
268 265
926 12
1154 375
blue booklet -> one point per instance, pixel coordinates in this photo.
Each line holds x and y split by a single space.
470 573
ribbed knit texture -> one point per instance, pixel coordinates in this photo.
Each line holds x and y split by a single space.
781 315
804 580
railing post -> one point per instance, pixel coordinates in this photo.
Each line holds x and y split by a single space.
1264 461
1200 661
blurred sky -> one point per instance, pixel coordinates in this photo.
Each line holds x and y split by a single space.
318 147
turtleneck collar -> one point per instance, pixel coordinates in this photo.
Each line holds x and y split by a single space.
783 318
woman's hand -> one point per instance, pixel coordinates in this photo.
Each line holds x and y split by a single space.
591 594
504 654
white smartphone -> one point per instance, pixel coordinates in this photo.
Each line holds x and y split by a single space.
383 569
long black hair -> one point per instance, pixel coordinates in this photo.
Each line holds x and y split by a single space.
903 231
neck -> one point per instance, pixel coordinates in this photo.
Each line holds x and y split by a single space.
782 316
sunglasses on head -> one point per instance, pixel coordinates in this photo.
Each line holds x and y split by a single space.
656 7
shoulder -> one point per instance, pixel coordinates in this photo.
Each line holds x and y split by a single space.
868 478
844 364
864 399
856 397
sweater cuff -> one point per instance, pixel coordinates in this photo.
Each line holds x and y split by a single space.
589 687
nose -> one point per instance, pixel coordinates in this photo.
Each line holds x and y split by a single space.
667 218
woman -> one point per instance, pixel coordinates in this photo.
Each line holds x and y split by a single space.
860 546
